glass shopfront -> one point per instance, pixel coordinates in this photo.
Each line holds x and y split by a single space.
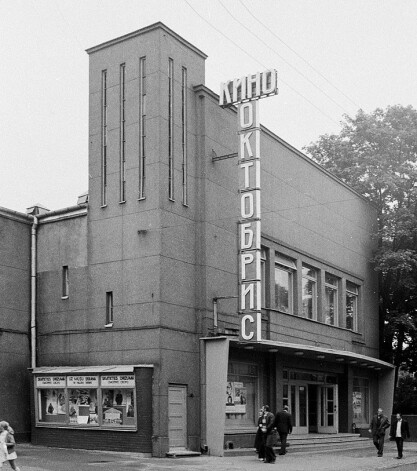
240 399
93 400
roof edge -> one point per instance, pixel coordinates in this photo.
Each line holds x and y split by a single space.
144 30
213 95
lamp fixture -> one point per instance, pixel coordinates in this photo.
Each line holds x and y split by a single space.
273 350
299 354
320 357
340 359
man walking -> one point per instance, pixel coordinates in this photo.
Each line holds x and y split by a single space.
379 424
400 431
283 423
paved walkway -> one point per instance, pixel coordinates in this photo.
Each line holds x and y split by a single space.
34 458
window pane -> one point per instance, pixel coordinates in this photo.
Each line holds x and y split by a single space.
283 290
360 400
351 310
331 279
118 407
309 298
330 306
52 406
83 406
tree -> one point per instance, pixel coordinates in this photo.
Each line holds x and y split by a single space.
376 154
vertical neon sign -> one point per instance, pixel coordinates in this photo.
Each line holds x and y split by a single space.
245 93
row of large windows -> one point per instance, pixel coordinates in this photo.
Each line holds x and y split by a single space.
143 96
310 291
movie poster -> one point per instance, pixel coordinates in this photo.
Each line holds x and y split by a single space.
235 398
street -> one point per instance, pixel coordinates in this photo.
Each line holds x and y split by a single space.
36 458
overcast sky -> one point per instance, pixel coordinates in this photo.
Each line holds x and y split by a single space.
332 56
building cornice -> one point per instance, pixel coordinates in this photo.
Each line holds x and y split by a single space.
147 29
15 216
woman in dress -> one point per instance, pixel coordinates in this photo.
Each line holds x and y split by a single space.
7 445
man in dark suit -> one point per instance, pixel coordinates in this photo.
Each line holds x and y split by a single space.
400 431
283 423
379 424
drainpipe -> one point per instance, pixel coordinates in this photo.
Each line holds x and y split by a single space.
33 293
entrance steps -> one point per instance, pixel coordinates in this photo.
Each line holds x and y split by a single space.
314 442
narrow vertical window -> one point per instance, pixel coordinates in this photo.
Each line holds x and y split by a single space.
109 308
331 300
309 292
104 138
263 277
142 125
122 137
65 282
171 129
184 135
352 294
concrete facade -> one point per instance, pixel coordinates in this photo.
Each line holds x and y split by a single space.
165 261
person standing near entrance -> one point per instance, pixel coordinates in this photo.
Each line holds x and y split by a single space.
283 423
400 431
379 424
268 436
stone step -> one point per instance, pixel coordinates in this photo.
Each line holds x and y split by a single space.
315 443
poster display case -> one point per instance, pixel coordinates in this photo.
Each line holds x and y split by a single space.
86 400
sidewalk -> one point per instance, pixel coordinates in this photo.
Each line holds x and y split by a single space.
34 458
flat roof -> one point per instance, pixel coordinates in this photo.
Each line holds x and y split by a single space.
309 352
53 370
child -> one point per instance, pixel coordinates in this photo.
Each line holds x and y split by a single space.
7 444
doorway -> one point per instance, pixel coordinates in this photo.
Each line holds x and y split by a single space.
177 417
312 410
328 409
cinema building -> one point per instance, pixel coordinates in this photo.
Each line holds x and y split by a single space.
137 339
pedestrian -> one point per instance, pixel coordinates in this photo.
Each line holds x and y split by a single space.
399 431
7 445
269 436
283 423
259 441
379 424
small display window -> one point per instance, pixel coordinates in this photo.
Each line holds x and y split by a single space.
86 401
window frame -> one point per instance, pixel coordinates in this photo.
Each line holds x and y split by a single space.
65 282
109 309
142 126
184 125
64 383
335 288
171 129
122 134
104 137
286 265
314 294
352 295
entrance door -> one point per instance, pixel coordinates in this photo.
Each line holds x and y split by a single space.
299 408
327 409
177 416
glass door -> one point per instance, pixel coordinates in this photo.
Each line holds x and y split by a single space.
328 409
299 408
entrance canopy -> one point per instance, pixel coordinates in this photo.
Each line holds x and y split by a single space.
313 352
